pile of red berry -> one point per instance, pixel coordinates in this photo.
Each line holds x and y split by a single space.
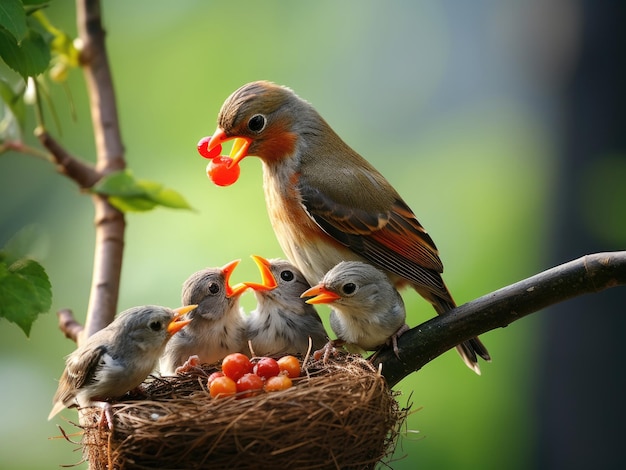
241 376
220 169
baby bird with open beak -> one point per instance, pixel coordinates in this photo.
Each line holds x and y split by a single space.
282 323
367 310
117 358
218 326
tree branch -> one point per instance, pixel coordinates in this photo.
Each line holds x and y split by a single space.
110 223
589 274
68 325
83 174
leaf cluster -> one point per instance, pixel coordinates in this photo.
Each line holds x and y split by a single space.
25 289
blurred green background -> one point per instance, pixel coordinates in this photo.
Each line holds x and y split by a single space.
455 102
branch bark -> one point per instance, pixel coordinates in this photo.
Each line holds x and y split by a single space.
110 223
420 345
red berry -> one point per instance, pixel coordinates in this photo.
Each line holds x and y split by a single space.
266 367
203 148
252 384
290 366
235 365
220 173
222 387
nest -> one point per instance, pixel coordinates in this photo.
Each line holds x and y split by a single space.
340 414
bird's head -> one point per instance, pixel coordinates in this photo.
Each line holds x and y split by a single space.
261 119
352 284
280 280
148 327
210 289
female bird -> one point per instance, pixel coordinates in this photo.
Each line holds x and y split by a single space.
282 323
326 203
367 311
218 326
117 358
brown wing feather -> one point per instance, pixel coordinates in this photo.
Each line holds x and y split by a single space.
392 239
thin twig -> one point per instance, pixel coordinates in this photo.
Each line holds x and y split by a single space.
83 174
68 325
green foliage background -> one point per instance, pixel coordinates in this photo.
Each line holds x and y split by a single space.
442 97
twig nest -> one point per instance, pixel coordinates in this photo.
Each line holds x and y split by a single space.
337 415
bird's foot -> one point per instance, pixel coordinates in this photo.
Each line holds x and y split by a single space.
106 417
328 349
190 364
394 338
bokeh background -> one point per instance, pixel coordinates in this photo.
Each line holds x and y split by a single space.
500 123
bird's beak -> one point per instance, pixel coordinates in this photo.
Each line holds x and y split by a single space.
227 271
178 323
240 145
268 280
319 295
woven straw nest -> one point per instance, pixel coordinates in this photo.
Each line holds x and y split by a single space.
340 414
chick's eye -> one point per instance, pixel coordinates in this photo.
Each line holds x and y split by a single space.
257 123
286 276
155 325
349 288
214 288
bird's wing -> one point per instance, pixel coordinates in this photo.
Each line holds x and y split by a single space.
389 235
82 370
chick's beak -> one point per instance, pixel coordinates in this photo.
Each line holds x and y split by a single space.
178 323
240 145
319 295
268 280
227 271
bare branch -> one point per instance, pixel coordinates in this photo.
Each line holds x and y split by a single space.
110 223
425 342
68 325
83 174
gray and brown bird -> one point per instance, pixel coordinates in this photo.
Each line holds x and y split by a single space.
282 322
117 358
367 310
218 326
328 204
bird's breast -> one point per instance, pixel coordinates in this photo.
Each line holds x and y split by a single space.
304 243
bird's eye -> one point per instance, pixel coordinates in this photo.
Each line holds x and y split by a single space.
257 123
349 288
214 288
155 325
286 275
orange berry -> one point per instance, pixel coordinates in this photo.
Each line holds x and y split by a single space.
222 387
278 382
290 365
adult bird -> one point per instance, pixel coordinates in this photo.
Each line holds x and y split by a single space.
328 204
117 358
367 311
218 326
282 322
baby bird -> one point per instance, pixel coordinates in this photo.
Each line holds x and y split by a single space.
117 358
367 311
282 322
218 327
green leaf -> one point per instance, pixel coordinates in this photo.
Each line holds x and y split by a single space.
13 18
25 292
129 194
28 58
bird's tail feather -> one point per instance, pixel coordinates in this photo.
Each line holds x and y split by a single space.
469 350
